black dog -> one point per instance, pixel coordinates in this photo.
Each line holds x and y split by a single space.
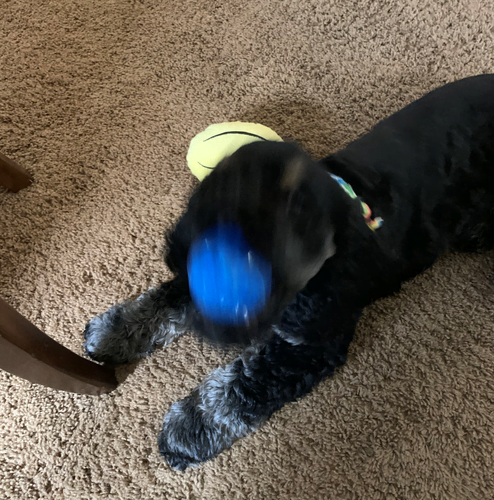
426 171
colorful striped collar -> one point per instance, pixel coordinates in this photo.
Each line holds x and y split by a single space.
375 223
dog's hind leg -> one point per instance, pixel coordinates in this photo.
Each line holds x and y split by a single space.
133 329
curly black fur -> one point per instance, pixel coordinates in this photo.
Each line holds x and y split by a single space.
428 171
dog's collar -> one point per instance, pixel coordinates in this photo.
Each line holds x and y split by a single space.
373 224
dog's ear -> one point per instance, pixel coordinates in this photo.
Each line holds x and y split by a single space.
299 269
298 261
293 173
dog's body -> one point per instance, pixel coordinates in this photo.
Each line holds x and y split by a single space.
427 171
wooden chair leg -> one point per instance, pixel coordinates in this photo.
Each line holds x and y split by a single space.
13 176
27 352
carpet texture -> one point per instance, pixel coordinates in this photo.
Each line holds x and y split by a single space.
99 100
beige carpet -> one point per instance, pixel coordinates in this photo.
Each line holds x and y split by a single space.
99 101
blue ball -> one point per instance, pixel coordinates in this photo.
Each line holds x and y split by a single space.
229 281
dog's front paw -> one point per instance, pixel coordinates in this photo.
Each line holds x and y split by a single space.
188 439
108 339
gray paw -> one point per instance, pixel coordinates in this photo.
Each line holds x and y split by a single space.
134 328
202 425
108 339
187 439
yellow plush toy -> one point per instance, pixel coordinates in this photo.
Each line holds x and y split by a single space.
220 140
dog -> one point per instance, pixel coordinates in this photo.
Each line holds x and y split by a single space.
424 185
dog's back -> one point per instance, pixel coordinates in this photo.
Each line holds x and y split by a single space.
428 171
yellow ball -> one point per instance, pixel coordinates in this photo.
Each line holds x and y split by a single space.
220 140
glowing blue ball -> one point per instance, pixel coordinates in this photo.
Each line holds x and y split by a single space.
229 281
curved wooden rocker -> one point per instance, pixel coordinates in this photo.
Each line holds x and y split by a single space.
12 175
26 351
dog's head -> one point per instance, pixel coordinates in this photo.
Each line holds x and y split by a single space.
285 203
